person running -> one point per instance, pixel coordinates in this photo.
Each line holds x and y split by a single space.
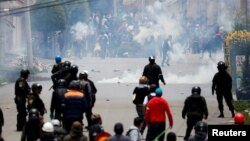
155 117
167 45
153 72
222 84
140 92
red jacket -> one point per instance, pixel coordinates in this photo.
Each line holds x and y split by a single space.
156 109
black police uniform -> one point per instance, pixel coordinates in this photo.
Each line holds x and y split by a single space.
56 102
153 72
195 108
22 89
222 84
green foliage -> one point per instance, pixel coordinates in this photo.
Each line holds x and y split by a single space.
243 107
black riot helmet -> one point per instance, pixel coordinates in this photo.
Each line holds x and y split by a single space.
67 64
83 75
151 59
196 89
24 73
74 85
36 86
33 114
201 126
221 65
74 69
61 82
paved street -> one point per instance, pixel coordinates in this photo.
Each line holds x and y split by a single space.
115 80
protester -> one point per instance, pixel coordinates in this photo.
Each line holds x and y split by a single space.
47 133
167 45
96 128
59 132
155 116
134 132
74 105
118 129
76 133
140 92
171 136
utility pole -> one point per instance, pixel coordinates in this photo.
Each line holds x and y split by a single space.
28 37
3 9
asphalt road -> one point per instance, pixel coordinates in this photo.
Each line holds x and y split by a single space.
115 80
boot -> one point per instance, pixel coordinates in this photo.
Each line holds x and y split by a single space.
221 115
232 113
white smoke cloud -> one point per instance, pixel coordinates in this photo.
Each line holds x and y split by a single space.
80 30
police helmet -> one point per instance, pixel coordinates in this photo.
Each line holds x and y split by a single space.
221 65
58 58
67 64
48 127
151 58
61 82
201 126
74 69
36 86
24 72
33 114
83 75
196 89
239 118
74 85
56 122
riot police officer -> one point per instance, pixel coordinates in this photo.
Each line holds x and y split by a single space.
34 100
22 89
56 100
195 108
153 72
201 130
222 84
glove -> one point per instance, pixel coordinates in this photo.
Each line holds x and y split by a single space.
212 92
164 83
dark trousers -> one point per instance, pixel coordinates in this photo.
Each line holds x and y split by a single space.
21 113
165 58
191 121
228 99
140 113
88 115
154 130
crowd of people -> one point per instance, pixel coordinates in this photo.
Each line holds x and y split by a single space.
75 95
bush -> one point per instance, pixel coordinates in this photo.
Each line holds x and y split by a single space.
243 107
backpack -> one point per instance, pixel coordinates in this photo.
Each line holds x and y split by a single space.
128 132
